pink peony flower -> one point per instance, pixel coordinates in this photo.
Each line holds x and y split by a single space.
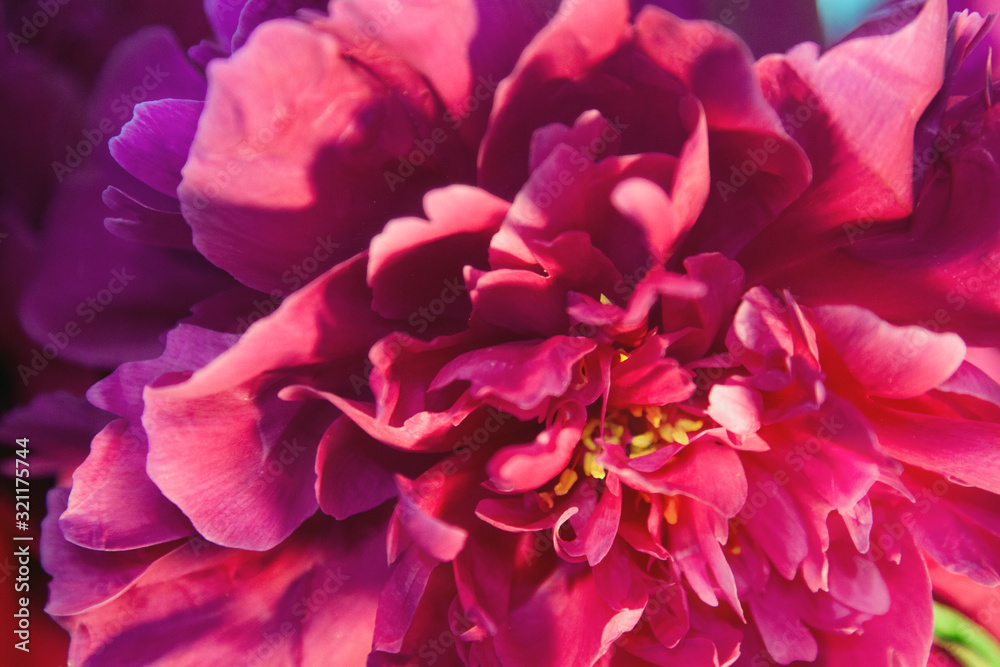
605 345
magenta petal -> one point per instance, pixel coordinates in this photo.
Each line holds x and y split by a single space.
302 185
856 581
858 520
590 32
717 68
466 62
315 595
264 446
647 205
399 599
400 256
888 360
706 471
262 460
519 468
696 542
113 477
114 474
135 221
564 623
786 638
969 380
484 573
523 374
646 377
154 145
61 427
349 477
778 525
596 525
255 12
962 450
519 301
862 166
958 526
432 535
725 281
86 278
520 513
83 578
902 636
736 408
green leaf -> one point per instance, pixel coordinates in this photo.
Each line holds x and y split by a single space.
968 642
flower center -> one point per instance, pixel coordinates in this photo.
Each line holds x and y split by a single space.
640 430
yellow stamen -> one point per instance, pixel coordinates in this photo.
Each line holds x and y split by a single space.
586 436
667 433
688 425
670 511
644 440
622 357
654 415
605 300
642 444
736 551
566 481
680 436
591 467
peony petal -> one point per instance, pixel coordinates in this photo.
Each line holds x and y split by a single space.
350 477
862 166
465 63
735 407
889 361
958 526
962 450
88 281
435 537
311 602
61 427
519 468
154 145
523 374
113 477
265 446
401 254
590 32
83 578
564 623
744 133
646 377
903 635
276 137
